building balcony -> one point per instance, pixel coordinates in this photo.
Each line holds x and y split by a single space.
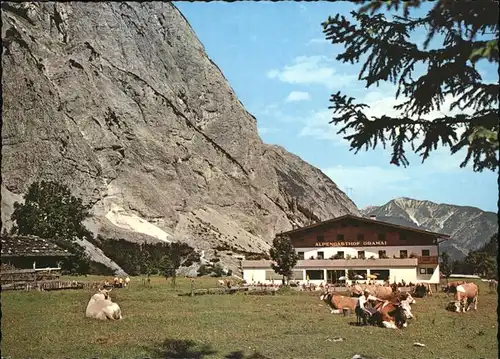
340 263
428 260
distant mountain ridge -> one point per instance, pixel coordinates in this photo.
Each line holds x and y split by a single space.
469 227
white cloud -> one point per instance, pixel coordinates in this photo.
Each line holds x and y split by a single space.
381 102
317 125
367 182
312 70
298 96
319 41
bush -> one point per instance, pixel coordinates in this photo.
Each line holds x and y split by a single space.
97 268
203 270
218 271
146 258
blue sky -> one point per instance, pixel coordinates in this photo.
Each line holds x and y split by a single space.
276 59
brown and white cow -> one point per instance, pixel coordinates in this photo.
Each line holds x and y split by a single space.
451 287
466 295
379 291
402 296
339 302
392 315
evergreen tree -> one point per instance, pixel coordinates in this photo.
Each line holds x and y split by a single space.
469 31
445 266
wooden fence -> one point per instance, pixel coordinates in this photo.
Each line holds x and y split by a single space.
29 275
41 279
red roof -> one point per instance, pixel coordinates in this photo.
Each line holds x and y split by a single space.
366 220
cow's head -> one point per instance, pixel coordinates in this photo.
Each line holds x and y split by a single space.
105 292
454 306
408 298
406 308
399 314
325 296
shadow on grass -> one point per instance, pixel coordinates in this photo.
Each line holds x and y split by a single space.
356 324
188 349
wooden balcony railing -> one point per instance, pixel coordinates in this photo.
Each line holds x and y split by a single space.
428 260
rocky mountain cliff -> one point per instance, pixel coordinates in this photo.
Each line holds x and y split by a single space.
469 227
120 102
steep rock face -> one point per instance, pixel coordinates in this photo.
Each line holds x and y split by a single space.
469 227
120 102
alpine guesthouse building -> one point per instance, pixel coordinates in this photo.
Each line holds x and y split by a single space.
349 248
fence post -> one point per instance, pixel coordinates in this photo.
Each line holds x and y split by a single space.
192 287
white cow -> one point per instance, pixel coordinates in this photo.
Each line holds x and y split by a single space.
101 307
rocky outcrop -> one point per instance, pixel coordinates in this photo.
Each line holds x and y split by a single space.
470 227
120 102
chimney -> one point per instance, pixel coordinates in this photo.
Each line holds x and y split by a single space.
373 217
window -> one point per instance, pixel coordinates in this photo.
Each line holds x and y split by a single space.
402 236
361 254
343 225
315 274
427 271
382 274
301 255
425 253
403 254
361 237
340 254
358 274
381 236
320 238
382 254
340 237
321 255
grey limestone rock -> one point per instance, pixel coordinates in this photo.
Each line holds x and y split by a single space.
120 102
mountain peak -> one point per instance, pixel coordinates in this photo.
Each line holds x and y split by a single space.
469 227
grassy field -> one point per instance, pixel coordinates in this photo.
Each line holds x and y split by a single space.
159 324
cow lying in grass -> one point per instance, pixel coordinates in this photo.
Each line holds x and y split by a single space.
392 315
101 307
388 314
422 289
338 302
465 295
379 291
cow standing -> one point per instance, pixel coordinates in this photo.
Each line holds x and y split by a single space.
466 295
451 287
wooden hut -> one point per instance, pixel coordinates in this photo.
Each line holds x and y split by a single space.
31 252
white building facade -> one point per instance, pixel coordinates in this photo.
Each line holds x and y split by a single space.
351 248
